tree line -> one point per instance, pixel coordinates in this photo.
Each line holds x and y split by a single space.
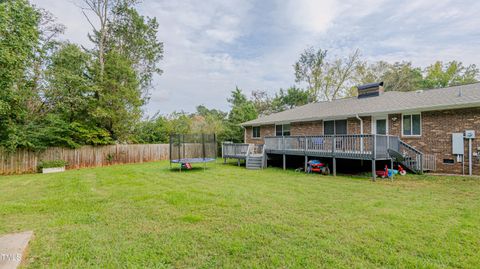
61 94
57 93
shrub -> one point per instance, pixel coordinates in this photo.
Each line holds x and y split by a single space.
52 164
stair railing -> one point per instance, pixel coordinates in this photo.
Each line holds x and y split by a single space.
263 156
413 158
248 152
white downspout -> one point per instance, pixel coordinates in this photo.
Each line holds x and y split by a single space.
361 123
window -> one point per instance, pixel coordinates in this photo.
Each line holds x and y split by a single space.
335 127
329 127
256 132
380 126
282 130
412 124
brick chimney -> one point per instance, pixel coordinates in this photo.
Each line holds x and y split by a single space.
370 90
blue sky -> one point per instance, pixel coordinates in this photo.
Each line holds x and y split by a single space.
212 46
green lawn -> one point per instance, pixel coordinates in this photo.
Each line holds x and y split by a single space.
147 216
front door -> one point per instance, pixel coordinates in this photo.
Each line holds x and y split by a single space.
380 125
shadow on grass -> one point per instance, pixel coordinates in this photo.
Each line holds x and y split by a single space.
194 169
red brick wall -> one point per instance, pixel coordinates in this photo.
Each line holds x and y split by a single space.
266 130
436 138
353 125
307 128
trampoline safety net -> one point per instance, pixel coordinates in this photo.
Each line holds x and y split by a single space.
199 147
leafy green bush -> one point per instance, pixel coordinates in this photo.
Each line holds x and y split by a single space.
52 164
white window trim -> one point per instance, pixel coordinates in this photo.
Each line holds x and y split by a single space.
334 125
385 117
421 129
253 133
282 124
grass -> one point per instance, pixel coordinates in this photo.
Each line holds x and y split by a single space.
137 216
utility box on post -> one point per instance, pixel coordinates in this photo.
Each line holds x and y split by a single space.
470 134
458 147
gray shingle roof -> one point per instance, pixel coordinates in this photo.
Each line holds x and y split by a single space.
389 102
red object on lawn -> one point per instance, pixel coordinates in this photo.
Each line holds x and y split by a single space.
187 166
401 171
383 173
317 167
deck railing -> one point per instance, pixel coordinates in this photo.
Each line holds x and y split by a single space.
346 146
234 150
429 162
357 146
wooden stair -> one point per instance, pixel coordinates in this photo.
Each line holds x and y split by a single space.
408 156
254 162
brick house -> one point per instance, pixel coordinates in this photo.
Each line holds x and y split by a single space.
424 120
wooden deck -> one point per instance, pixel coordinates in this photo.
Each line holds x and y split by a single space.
247 152
360 147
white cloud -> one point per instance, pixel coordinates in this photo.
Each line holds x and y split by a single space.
312 15
212 46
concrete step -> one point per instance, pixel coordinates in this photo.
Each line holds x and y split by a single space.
13 248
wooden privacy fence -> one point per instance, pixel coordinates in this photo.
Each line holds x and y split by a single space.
24 161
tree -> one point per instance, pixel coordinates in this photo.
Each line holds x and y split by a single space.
402 77
453 73
100 10
242 110
179 123
152 130
118 105
371 72
135 37
396 77
49 30
69 91
292 97
19 38
209 121
262 102
126 54
327 80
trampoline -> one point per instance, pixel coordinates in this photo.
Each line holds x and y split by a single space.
194 160
188 149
